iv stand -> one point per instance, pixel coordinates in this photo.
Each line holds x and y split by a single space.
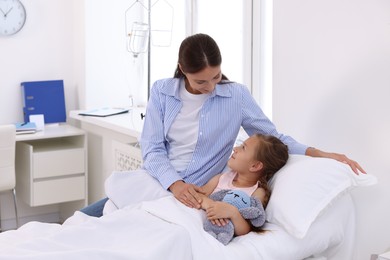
148 44
136 33
149 48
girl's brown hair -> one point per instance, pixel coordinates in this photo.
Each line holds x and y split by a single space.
273 153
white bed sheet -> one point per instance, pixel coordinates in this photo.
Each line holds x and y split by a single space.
166 229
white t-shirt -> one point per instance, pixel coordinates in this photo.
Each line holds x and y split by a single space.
183 133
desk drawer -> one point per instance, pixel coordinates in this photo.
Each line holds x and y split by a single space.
58 190
58 163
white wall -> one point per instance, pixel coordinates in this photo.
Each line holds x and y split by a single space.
112 73
47 47
107 78
330 72
42 50
331 89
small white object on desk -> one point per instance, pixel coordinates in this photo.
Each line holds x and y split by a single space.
39 121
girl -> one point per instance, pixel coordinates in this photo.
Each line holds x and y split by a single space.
252 165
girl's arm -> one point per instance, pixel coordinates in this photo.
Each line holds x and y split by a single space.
261 194
217 211
210 186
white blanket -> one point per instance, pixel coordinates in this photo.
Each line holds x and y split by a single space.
166 229
160 229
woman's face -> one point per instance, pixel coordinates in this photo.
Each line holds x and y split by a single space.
204 81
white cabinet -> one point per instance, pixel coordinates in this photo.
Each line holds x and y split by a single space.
52 169
110 146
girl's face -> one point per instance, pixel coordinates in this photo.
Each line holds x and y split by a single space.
243 157
204 81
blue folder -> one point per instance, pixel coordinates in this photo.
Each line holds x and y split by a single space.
44 97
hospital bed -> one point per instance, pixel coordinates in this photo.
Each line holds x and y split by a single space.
310 215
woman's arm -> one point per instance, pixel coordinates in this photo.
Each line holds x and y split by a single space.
153 141
311 151
187 193
192 195
255 120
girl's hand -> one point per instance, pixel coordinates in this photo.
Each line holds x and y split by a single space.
220 221
220 211
188 194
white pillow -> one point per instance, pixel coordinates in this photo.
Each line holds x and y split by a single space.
305 187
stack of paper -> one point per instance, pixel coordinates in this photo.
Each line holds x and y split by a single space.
103 112
25 128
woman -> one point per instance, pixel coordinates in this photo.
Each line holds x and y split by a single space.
193 119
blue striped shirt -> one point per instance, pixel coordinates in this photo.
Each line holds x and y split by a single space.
229 107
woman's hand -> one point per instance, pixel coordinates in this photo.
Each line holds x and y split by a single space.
336 156
188 194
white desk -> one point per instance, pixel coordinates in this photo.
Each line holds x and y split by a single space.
51 168
51 131
109 146
129 124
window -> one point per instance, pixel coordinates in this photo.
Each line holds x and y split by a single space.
227 21
112 73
